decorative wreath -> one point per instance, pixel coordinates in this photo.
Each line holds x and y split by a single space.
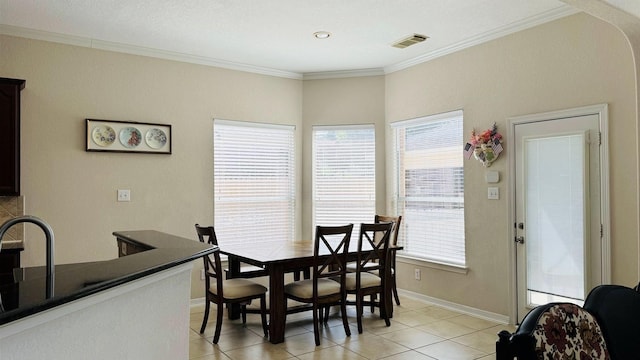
485 146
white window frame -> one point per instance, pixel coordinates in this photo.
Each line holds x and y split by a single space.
437 234
349 202
245 178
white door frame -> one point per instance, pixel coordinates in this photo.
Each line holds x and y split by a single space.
602 111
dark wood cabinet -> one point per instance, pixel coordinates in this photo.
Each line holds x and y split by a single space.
10 136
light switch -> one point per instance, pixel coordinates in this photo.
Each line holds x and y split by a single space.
493 193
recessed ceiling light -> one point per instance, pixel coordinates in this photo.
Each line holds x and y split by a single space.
321 34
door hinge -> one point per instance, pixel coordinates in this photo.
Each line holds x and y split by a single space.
599 138
601 231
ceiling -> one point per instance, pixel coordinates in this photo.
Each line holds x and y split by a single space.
276 37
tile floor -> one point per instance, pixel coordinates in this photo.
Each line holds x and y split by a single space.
418 331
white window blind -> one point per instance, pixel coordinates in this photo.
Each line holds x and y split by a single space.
344 175
429 193
254 184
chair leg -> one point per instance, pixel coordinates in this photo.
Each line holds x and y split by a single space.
305 273
263 315
316 328
360 310
326 314
343 312
395 289
216 336
383 309
373 299
206 315
243 311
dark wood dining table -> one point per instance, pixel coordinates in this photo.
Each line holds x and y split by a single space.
275 259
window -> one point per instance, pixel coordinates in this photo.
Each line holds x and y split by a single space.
344 175
254 184
429 191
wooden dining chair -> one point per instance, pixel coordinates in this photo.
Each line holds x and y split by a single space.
320 291
393 240
372 268
226 291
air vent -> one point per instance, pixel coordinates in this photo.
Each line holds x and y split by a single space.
411 40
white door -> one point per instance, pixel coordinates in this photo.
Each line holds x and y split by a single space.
558 209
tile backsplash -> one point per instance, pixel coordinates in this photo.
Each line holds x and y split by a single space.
10 207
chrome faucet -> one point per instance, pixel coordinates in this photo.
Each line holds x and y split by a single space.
48 232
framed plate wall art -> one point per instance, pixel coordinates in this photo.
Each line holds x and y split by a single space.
128 136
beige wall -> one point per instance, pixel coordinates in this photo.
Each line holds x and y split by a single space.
568 63
75 191
572 62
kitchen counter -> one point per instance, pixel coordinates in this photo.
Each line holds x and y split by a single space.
27 295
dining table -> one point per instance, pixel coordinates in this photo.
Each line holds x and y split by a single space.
274 259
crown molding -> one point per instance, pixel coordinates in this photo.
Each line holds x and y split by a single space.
193 59
139 50
44 35
540 19
342 74
554 14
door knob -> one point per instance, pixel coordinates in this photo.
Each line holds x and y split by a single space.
520 239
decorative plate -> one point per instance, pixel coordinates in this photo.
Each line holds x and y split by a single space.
103 135
130 137
156 138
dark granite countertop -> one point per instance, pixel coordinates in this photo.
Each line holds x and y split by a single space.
27 295
13 245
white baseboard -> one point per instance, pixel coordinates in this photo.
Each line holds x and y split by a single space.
487 315
196 302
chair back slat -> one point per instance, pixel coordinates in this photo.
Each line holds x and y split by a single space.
332 241
375 236
396 220
334 263
212 262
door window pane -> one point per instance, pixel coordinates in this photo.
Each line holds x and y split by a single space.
555 228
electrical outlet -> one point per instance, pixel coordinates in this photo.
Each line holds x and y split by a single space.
416 274
124 195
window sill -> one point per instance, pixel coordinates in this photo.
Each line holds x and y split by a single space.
432 264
